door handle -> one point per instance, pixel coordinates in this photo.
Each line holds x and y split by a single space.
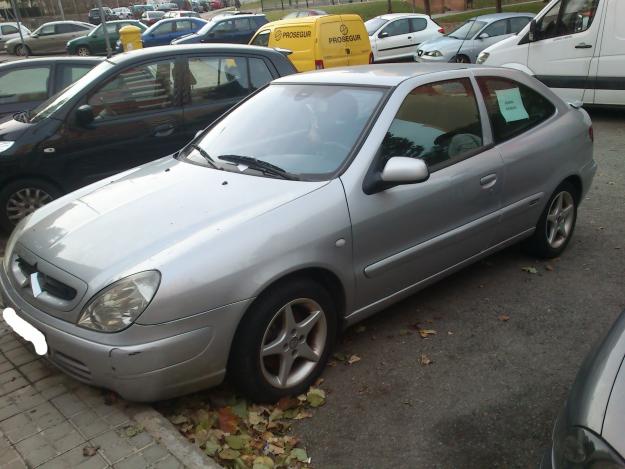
164 130
409 37
583 45
488 181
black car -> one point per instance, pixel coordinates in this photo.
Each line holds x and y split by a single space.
94 15
25 84
236 29
128 110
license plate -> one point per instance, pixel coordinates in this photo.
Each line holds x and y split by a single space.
26 331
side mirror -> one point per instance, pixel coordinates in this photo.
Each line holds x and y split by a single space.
398 170
383 34
483 36
84 116
533 33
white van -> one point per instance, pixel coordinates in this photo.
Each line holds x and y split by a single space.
576 47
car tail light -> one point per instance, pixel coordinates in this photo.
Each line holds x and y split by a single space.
370 57
441 30
591 133
318 64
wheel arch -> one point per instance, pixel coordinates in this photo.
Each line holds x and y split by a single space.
576 182
33 177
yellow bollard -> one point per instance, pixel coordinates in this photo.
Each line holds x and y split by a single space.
130 37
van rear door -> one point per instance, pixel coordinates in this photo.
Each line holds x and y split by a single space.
566 40
332 42
610 77
299 39
357 44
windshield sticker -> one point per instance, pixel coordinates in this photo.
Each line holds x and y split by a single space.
279 34
511 105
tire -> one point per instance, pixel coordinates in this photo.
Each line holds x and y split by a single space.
261 378
83 51
461 59
31 194
556 224
22 50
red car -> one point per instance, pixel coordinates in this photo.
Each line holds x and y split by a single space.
151 17
216 4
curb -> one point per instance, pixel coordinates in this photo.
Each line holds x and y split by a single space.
166 434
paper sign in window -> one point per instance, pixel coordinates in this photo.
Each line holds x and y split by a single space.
511 105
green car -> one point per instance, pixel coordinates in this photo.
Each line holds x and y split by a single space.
94 44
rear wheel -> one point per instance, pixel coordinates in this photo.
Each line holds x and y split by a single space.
22 50
21 198
83 51
284 341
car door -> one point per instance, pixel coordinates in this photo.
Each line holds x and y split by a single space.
214 83
183 26
23 88
64 33
565 41
67 73
244 30
395 39
40 43
494 32
407 234
8 31
610 64
223 31
420 32
138 118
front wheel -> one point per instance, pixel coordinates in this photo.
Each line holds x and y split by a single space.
556 224
284 341
22 50
21 198
461 59
83 51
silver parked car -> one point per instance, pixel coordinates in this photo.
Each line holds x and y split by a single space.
247 251
466 42
589 430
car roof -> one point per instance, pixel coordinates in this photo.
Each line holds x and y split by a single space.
392 16
499 16
159 51
389 75
233 16
50 60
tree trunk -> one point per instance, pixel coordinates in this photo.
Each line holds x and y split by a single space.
427 8
498 6
390 7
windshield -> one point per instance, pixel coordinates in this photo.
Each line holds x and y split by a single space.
374 24
306 131
467 29
49 106
206 28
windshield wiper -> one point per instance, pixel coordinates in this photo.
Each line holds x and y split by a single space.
204 155
260 165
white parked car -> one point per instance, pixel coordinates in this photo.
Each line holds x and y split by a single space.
398 35
576 48
123 13
10 31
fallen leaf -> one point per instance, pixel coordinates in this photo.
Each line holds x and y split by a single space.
89 451
235 441
316 397
529 270
425 360
549 267
340 356
240 409
353 359
503 317
304 414
229 454
275 415
227 420
254 418
263 462
133 430
299 454
287 402
211 447
425 333
274 449
450 333
179 419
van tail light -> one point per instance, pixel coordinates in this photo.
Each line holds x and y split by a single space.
370 57
441 30
591 133
318 64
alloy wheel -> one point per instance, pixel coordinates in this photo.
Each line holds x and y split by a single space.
293 343
24 202
83 51
21 51
560 218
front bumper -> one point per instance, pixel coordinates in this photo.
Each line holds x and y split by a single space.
174 358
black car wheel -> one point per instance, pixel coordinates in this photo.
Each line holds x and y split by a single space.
283 342
22 50
21 198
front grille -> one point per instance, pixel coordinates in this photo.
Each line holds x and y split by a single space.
47 283
71 366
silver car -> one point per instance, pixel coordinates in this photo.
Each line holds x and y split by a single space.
313 204
465 43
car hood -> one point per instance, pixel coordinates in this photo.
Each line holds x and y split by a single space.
124 222
442 44
187 39
12 130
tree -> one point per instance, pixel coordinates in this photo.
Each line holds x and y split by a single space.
390 7
498 6
426 7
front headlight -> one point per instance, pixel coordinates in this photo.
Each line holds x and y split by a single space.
120 304
580 448
4 146
434 53
483 57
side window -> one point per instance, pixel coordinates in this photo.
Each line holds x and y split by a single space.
217 78
438 122
259 73
498 28
418 24
23 85
517 24
8 29
397 28
136 90
65 28
184 25
512 107
224 27
68 74
567 17
262 39
165 28
242 25
47 30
